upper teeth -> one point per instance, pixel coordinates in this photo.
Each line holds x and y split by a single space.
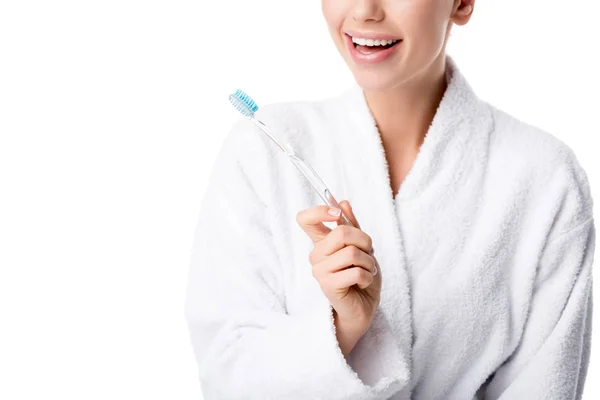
370 42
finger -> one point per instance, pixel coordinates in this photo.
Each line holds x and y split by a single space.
352 276
347 209
348 257
311 221
340 237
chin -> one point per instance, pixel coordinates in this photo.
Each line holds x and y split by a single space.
374 81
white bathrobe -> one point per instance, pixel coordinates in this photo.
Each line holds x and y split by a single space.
486 258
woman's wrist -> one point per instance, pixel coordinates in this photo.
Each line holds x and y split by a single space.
347 334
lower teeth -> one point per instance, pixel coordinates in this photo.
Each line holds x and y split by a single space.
361 47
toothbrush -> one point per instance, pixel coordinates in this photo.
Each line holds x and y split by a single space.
247 107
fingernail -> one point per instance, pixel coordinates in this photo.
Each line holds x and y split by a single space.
334 211
374 270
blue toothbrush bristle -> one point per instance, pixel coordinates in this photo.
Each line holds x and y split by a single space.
243 103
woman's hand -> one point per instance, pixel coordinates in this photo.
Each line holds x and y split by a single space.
343 264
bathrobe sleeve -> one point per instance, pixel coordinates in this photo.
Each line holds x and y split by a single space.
245 343
552 358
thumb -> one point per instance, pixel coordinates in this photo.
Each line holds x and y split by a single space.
347 210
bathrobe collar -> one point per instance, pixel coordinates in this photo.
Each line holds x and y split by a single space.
460 116
455 140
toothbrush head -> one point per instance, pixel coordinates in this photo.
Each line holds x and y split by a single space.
243 103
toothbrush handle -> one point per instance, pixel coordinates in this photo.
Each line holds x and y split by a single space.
320 187
310 174
332 202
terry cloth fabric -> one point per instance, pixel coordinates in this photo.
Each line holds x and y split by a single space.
485 253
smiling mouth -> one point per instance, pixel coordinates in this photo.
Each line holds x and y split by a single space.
372 49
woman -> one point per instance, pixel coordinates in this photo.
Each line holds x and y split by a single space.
467 273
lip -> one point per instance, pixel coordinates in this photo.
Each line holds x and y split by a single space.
374 58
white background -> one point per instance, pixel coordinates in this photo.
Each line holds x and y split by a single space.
111 113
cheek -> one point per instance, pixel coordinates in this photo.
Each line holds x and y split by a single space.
335 12
424 26
332 13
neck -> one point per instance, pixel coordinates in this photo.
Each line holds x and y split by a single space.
404 113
